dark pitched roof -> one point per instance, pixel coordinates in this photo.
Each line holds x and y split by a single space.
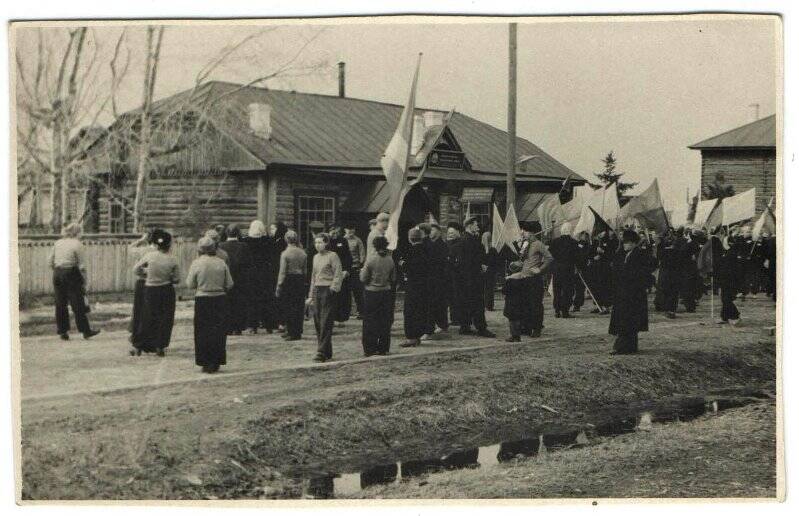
758 134
329 131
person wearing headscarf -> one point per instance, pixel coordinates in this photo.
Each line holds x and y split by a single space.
340 246
159 295
216 236
632 275
565 252
211 280
470 266
290 289
326 278
378 275
536 262
258 243
68 262
240 263
415 266
490 275
139 248
580 270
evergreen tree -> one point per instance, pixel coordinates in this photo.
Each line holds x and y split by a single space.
609 175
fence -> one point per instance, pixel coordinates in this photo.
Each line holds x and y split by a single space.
109 262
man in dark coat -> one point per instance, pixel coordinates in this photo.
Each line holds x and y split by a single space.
690 282
632 275
240 263
415 266
340 246
770 264
581 265
438 254
670 270
600 283
564 251
454 252
470 267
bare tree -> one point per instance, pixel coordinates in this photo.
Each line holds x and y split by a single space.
139 140
56 95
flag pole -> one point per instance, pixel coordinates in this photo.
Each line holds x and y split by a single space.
510 191
589 291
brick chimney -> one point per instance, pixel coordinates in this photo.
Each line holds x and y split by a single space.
342 77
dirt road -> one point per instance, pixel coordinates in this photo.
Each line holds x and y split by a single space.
100 424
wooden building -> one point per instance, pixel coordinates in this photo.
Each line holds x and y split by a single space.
742 158
231 153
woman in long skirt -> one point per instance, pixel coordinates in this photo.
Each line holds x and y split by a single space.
211 279
290 288
135 328
158 316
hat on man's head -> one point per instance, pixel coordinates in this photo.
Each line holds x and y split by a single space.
629 235
316 226
469 220
424 227
455 225
206 245
382 217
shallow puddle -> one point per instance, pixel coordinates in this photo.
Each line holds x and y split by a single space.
639 418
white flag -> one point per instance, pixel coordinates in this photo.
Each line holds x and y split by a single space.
738 207
497 230
395 162
703 211
511 232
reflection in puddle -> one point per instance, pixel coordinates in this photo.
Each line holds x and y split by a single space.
494 454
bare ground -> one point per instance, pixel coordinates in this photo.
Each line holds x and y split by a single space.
166 432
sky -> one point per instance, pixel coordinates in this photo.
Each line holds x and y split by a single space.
645 89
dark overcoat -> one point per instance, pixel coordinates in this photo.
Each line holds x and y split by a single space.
416 268
632 276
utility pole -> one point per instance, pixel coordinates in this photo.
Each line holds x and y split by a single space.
511 178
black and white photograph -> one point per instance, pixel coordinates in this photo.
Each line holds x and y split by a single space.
397 257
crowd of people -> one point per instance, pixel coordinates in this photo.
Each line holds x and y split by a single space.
265 280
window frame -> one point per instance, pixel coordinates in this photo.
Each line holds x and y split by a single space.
302 231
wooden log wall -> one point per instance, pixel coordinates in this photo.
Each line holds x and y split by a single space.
743 170
172 201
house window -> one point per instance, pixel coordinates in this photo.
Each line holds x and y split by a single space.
116 216
483 213
313 211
